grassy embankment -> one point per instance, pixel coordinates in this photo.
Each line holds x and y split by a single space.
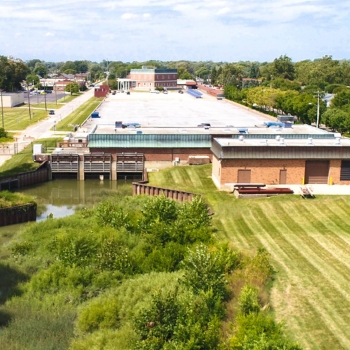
23 161
308 241
79 115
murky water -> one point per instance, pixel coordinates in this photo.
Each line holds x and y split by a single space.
60 198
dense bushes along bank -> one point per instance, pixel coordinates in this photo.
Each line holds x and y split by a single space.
134 273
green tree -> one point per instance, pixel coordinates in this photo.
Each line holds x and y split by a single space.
32 79
69 65
73 88
341 99
337 119
40 69
12 73
283 67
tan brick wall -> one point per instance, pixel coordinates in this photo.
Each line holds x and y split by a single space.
263 170
216 171
334 173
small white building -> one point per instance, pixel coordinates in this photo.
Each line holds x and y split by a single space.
11 99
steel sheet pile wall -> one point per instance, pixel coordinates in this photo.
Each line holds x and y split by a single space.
18 214
142 189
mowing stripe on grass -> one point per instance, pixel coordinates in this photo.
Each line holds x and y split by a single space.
310 262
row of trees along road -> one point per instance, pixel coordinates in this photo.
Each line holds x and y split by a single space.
282 87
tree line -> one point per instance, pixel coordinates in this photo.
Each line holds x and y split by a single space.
281 86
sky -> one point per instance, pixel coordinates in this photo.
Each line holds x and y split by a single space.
173 30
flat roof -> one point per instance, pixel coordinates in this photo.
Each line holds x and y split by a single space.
247 132
279 140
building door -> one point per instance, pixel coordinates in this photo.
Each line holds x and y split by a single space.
316 171
244 176
283 177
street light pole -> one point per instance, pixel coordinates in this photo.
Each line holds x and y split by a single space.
30 115
2 110
107 72
45 96
318 110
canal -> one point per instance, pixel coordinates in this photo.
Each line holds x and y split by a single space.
59 198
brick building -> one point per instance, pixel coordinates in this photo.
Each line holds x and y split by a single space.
150 78
101 91
281 157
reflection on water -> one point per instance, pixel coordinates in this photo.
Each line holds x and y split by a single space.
61 197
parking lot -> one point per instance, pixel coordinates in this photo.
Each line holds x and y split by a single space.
39 98
174 110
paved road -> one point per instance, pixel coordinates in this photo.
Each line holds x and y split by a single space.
42 129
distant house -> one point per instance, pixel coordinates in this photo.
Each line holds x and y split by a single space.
186 84
60 85
63 76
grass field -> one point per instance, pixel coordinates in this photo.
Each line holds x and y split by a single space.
309 243
17 118
79 115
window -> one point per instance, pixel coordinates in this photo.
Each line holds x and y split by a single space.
345 170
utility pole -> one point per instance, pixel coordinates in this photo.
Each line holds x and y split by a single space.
107 71
45 96
2 110
318 110
30 115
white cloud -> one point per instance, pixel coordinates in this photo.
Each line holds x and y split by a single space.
178 29
223 11
128 16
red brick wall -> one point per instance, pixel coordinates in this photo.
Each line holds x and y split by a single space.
210 91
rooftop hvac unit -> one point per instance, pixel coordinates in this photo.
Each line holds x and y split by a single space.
241 138
310 141
337 141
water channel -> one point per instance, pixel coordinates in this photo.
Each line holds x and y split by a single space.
59 198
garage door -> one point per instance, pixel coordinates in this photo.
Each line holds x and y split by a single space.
316 171
244 176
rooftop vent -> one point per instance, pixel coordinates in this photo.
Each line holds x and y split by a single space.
337 141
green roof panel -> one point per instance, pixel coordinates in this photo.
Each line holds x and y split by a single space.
149 141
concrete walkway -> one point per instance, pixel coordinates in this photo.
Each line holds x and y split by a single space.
42 129
319 189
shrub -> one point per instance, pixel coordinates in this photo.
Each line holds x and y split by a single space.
21 249
205 270
74 250
111 214
248 300
156 323
259 329
99 314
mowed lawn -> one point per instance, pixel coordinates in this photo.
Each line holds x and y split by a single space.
309 242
